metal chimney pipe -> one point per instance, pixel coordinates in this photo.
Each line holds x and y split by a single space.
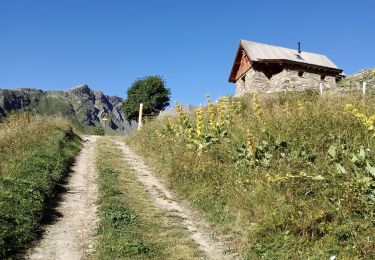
299 47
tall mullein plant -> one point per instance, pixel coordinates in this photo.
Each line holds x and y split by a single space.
183 128
199 123
223 116
211 116
199 134
257 110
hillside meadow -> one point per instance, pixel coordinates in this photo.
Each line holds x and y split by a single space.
282 176
35 156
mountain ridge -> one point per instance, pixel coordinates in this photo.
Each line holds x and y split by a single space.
84 106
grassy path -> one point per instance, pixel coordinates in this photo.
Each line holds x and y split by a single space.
138 217
70 233
179 215
131 225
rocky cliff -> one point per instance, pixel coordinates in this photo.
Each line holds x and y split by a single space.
85 107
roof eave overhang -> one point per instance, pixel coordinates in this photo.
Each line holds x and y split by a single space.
231 78
232 71
302 64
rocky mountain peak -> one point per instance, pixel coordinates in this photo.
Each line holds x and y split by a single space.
81 90
81 104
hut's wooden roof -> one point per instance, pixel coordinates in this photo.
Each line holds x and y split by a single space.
265 53
260 51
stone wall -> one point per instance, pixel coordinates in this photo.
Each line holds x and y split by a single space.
255 81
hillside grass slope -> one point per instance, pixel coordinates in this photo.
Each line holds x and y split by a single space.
356 80
35 155
283 176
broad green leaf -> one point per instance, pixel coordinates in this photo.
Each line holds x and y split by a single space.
370 169
268 155
371 197
340 169
318 177
355 159
362 154
332 151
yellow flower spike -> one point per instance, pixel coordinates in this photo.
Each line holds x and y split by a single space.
250 142
221 113
349 107
287 108
300 105
239 107
200 122
211 114
183 122
190 133
172 125
256 106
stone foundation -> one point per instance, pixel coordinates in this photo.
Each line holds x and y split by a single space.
255 81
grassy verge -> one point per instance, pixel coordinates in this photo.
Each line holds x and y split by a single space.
130 226
286 176
35 156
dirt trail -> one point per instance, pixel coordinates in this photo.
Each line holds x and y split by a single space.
163 199
71 236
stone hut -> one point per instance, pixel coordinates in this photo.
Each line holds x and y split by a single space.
266 68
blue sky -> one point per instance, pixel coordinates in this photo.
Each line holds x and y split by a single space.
58 44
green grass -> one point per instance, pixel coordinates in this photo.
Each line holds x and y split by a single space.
130 226
35 156
294 180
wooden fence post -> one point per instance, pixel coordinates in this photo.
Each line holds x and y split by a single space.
364 88
321 88
140 116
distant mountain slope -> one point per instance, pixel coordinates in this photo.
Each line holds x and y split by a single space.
81 104
172 111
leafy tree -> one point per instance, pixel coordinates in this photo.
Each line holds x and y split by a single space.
152 92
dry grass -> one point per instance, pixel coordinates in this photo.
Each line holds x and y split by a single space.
292 180
20 131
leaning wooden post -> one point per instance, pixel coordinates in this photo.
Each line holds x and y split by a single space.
364 88
140 116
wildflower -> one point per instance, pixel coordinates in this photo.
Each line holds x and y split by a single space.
211 114
238 107
158 133
368 122
200 122
300 105
256 106
349 107
287 108
250 143
222 109
183 121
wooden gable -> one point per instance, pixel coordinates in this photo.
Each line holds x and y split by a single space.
242 64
